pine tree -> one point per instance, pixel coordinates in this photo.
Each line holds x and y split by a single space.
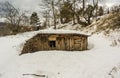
34 19
101 11
66 12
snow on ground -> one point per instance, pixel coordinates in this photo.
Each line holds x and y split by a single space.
101 61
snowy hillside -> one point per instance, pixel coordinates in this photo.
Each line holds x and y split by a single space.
107 26
101 61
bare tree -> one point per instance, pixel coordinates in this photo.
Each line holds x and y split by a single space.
96 6
59 5
50 5
74 9
84 1
54 14
88 13
12 14
25 20
115 9
46 15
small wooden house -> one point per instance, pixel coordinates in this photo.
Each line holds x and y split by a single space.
56 40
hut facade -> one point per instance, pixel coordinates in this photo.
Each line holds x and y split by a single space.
56 40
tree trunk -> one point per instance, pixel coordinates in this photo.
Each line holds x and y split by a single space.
61 20
74 12
89 21
83 5
78 18
54 16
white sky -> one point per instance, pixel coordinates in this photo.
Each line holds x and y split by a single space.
109 3
33 5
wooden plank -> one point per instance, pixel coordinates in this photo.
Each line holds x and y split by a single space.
52 37
63 43
81 45
77 47
86 43
72 43
67 43
84 46
58 43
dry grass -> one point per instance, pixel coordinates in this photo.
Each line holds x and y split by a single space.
13 30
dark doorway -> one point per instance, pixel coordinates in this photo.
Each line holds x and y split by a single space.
52 44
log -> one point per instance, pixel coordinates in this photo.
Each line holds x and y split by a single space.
35 75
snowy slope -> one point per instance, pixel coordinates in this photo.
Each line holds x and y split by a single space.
101 61
109 26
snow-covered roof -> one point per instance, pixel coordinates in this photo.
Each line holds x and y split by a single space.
59 31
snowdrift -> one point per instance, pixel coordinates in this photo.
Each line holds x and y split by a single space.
102 61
